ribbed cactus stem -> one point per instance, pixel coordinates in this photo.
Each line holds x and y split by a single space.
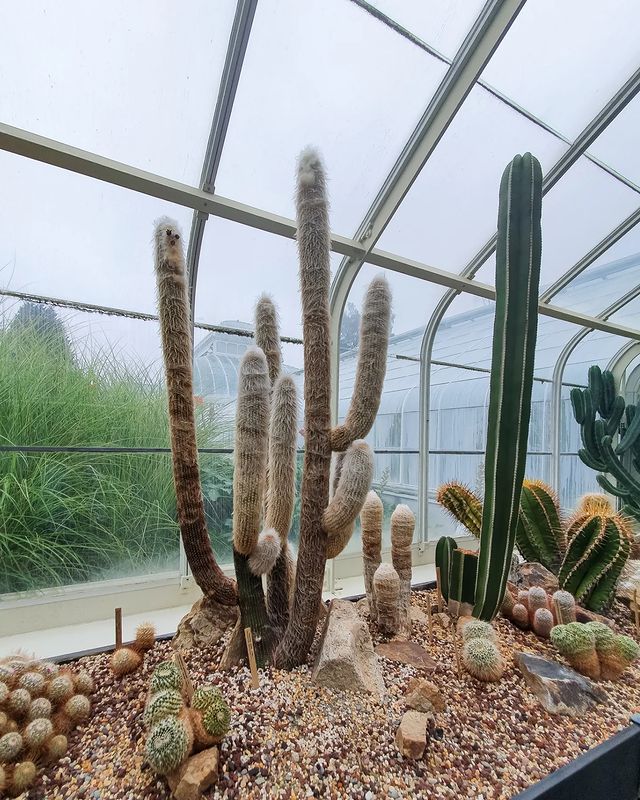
349 496
518 254
386 588
371 368
175 327
462 504
403 523
481 658
371 525
540 535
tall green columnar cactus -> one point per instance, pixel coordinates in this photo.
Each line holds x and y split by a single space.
464 505
518 254
444 554
175 327
326 525
601 415
462 581
540 536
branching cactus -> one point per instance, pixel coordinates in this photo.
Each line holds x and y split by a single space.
403 523
386 587
540 535
175 327
462 504
317 534
371 518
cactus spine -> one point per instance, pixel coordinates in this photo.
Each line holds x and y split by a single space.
539 535
403 523
175 327
371 526
514 337
386 587
462 504
169 743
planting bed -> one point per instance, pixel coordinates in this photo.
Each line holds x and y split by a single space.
291 739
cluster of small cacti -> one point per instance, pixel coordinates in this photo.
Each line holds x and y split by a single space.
176 726
128 659
387 586
480 654
534 609
40 703
594 649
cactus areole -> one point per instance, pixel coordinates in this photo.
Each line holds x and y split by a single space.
518 256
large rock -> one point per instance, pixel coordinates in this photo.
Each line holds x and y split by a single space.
418 615
235 652
411 737
422 695
407 653
346 659
195 776
205 624
530 573
559 689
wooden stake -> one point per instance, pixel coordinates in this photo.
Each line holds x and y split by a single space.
255 680
455 645
636 611
429 619
178 659
439 590
118 628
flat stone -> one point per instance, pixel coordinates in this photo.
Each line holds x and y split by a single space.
444 620
417 615
346 659
407 653
195 776
530 573
422 695
560 689
205 624
411 737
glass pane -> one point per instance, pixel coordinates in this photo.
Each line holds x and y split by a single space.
569 84
606 280
443 24
78 517
576 479
136 82
628 314
617 147
596 348
313 74
452 208
465 335
89 241
458 409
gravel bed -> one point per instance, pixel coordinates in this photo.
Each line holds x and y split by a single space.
291 739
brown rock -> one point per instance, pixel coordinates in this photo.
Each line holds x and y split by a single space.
559 689
346 659
204 624
422 695
442 619
418 615
195 776
533 574
407 653
363 605
236 650
411 737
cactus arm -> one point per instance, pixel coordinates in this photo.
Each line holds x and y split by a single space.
607 408
517 281
596 387
589 461
444 551
617 410
372 364
462 504
539 522
462 581
630 435
577 405
175 327
611 488
371 525
267 336
619 472
350 494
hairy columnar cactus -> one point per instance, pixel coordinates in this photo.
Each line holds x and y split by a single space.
463 505
371 525
345 505
520 616
481 658
403 523
386 588
175 327
313 241
518 254
539 535
537 599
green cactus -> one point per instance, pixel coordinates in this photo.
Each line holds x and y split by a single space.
564 605
204 697
539 535
166 703
166 675
481 658
37 732
462 504
478 629
10 746
462 577
604 637
444 553
598 549
168 744
216 716
577 643
514 340
627 648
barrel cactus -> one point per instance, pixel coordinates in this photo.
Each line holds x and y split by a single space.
169 743
481 658
204 696
125 660
165 703
540 535
577 643
216 717
166 675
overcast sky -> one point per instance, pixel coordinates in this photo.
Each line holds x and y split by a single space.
138 81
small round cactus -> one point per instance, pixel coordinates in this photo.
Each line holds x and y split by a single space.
4 719
4 692
216 717
10 746
18 702
204 696
83 683
77 707
145 637
478 629
166 676
60 689
577 643
520 616
543 622
627 648
124 661
167 703
56 747
481 658
168 744
523 598
24 774
564 605
603 635
33 682
537 599
37 732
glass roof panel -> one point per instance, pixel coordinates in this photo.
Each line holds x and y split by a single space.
451 209
580 210
596 348
313 74
583 52
617 145
136 82
443 24
629 314
606 280
74 238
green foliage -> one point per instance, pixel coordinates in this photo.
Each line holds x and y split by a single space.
74 517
